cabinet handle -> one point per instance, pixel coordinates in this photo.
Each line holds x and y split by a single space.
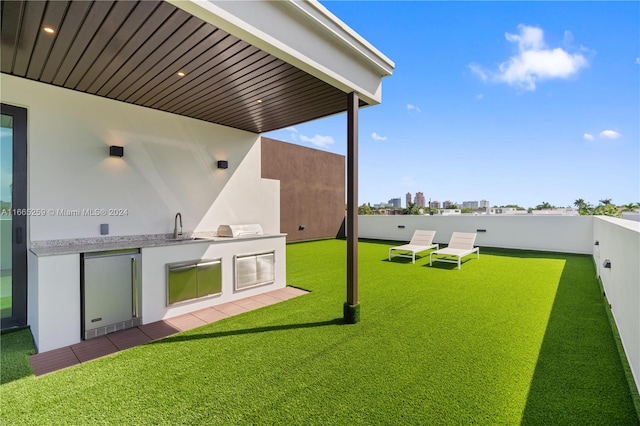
134 287
19 235
182 268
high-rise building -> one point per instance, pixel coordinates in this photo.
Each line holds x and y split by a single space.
484 204
435 204
408 198
447 204
395 202
419 200
469 204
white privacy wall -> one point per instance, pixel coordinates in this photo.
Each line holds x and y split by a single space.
619 242
568 234
169 166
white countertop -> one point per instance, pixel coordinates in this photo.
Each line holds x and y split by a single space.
90 245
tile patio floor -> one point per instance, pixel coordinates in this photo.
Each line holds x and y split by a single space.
50 361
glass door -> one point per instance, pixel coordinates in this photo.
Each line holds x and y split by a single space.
6 230
13 217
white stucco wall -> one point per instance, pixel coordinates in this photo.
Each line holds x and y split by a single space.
568 234
169 166
619 242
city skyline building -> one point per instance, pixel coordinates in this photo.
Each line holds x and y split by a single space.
395 202
469 204
420 201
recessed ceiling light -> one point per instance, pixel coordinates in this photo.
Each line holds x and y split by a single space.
48 30
181 74
259 101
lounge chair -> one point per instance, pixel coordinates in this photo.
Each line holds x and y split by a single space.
421 241
461 245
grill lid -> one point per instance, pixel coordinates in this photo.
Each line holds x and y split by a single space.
246 230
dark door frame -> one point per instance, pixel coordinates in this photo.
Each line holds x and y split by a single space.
19 221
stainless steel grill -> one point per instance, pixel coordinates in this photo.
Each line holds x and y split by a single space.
238 231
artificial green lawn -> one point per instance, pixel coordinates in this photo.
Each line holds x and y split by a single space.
16 347
5 295
512 338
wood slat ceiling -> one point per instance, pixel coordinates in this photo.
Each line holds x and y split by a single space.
132 52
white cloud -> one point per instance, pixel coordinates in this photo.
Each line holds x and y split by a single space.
318 140
294 133
609 134
568 38
411 107
587 137
377 137
479 71
534 62
638 60
479 96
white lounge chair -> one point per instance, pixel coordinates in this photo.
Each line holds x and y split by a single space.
421 241
461 245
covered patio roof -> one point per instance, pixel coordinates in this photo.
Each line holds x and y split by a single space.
257 68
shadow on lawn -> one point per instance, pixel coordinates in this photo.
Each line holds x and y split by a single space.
183 338
579 377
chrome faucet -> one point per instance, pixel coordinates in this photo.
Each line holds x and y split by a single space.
177 234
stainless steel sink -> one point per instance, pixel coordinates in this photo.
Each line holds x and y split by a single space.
177 240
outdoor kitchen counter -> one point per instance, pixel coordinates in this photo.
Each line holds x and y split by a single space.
55 275
89 245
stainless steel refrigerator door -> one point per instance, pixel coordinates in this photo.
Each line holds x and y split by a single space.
108 290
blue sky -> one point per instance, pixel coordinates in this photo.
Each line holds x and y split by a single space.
511 102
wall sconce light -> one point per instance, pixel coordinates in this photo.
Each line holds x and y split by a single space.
301 227
116 151
607 264
597 243
222 164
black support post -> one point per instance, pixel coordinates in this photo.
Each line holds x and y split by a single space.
352 307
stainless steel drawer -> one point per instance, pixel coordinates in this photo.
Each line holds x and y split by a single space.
182 283
209 276
193 279
254 269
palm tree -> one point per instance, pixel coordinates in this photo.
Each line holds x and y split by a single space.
629 207
606 201
545 205
579 203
